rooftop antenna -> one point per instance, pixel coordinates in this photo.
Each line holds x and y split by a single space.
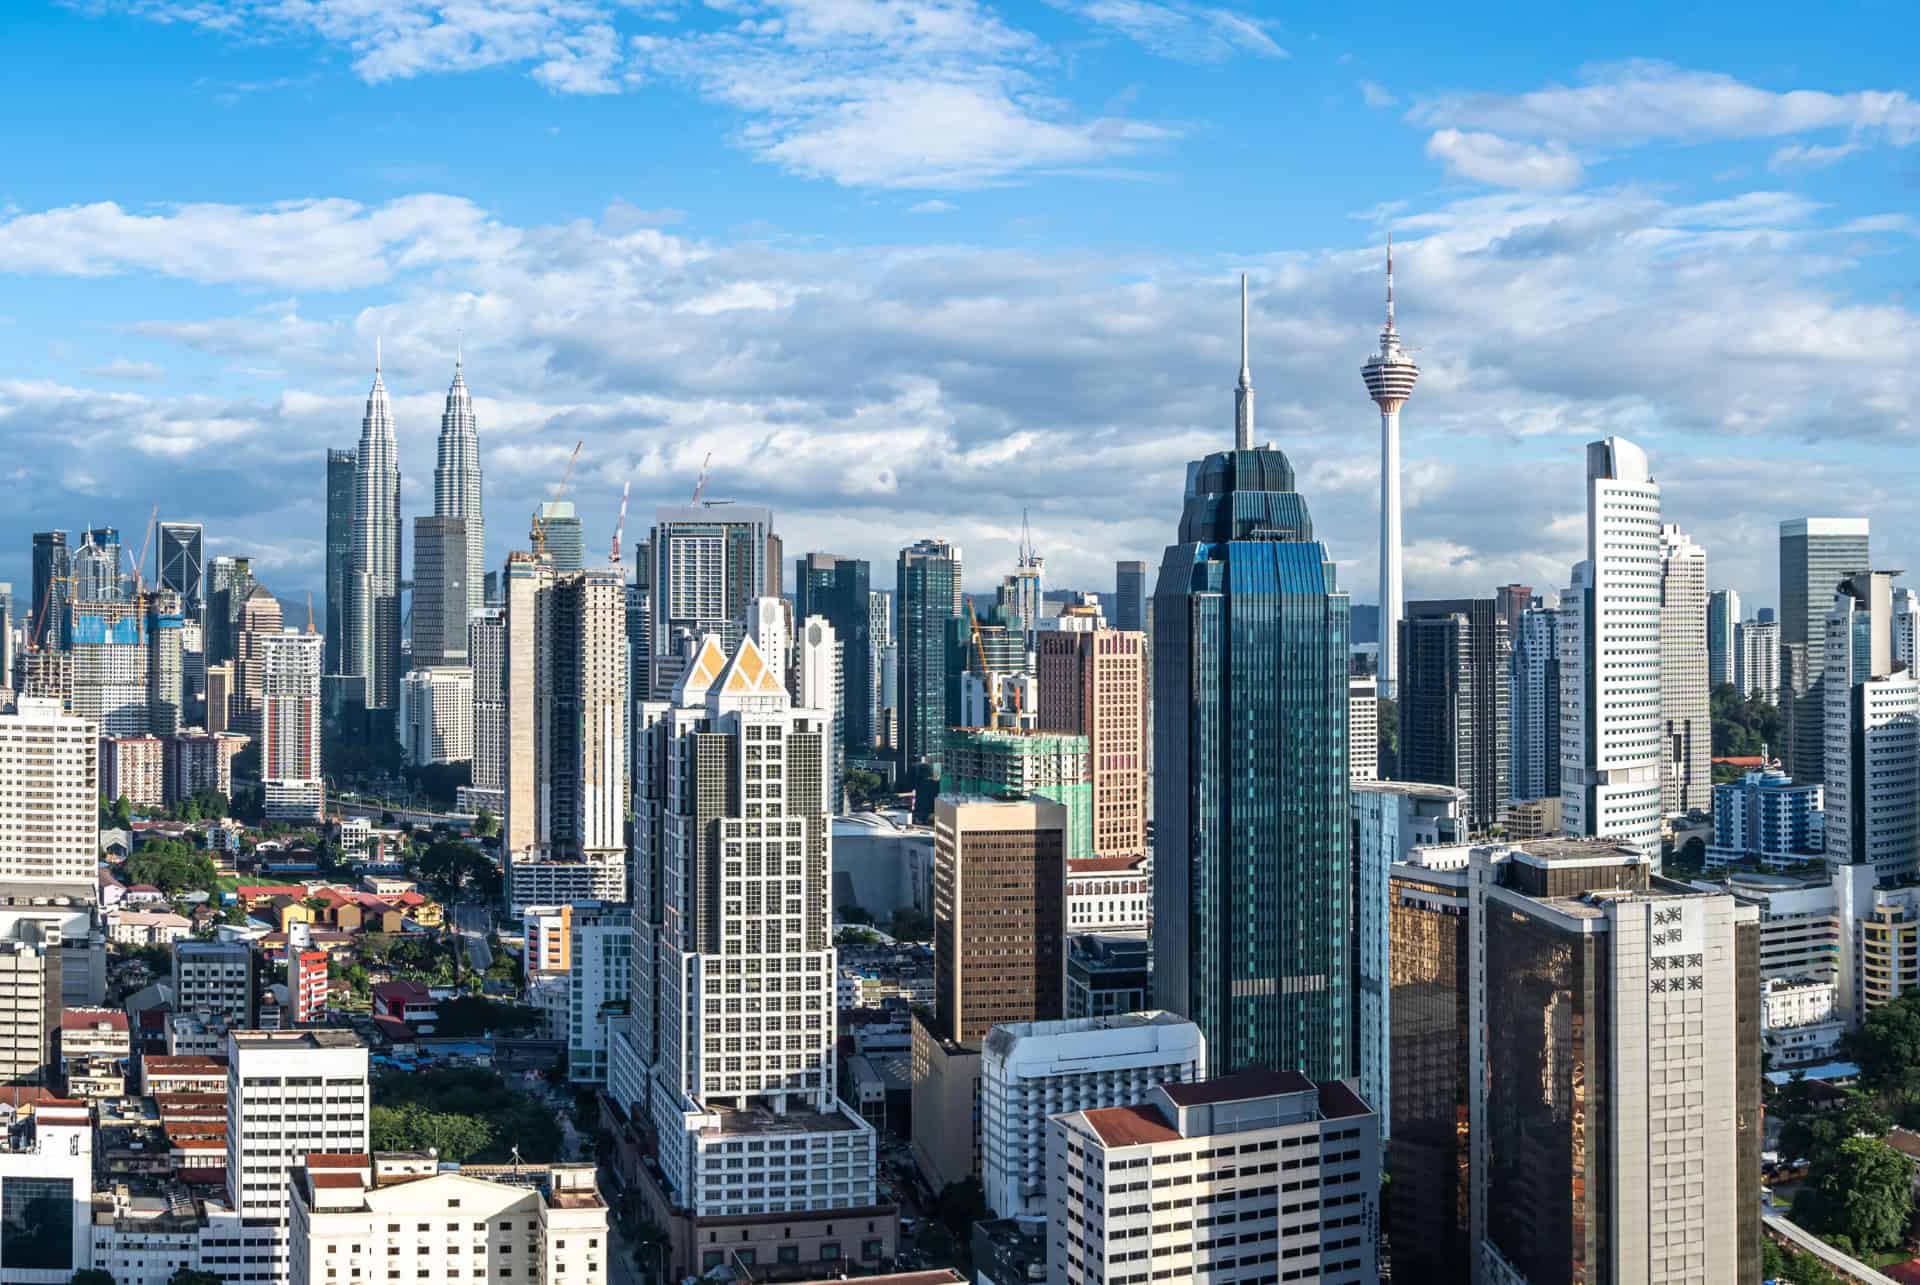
1243 394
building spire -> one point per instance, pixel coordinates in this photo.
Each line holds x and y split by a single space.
376 356
1389 281
1243 395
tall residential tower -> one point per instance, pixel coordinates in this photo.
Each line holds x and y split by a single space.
1816 554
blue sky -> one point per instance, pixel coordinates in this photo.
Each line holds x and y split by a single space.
906 268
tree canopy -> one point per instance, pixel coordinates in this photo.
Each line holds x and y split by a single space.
1861 1190
1887 1047
466 1113
452 868
1743 725
171 866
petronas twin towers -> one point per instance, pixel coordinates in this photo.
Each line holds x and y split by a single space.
373 581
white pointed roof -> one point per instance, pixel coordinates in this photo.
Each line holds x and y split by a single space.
748 675
706 667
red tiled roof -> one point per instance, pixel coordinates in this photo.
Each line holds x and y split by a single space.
1104 865
1129 1126
1907 1273
1254 1082
339 1160
87 1019
335 1179
404 990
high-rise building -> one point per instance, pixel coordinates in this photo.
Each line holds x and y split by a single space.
230 581
442 598
1198 1138
49 810
1511 601
342 468
199 761
999 913
486 646
1906 626
709 562
819 684
52 591
731 914
1453 702
221 703
1723 620
1765 817
1253 877
1390 375
562 536
258 622
1872 738
1390 820
1533 726
214 977
599 982
836 588
1757 661
373 587
1008 762
290 769
1363 727
436 715
1617 1034
178 562
1130 597
770 625
1024 591
886 686
167 691
926 599
109 650
1816 554
1094 684
456 494
566 722
1686 736
1610 724
134 768
10 619
1030 1071
96 566
289 1094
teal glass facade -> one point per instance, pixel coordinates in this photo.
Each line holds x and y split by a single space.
1253 898
926 598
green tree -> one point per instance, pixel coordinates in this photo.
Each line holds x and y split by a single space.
91 1276
485 823
190 1276
1862 1190
1786 1263
1742 726
866 789
1887 1047
451 868
172 867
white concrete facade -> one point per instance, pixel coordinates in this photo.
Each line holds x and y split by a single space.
49 796
1031 1071
436 715
1686 777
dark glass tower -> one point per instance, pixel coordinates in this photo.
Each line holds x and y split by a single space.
1253 897
340 470
926 598
826 584
1130 596
52 590
179 564
1453 698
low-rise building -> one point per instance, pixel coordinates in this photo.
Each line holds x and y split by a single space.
1108 973
1533 818
95 1047
1298 1163
1109 894
146 927
170 1074
396 1216
1800 1021
196 1035
406 1001
46 1186
1764 817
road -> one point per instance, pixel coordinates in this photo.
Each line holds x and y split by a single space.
474 920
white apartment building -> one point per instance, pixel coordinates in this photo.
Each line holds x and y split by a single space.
1146 1192
1533 718
46 1174
1686 739
1031 1071
1363 727
819 684
215 978
486 648
550 883
1872 734
599 980
1757 659
1610 658
394 1216
1800 1021
1109 894
436 715
289 1094
734 840
49 796
290 769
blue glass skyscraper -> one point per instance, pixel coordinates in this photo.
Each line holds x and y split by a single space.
1253 898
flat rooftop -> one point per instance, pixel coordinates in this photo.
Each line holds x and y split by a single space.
1545 851
1238 1087
302 1039
765 1121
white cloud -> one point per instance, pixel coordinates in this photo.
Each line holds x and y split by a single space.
1186 32
935 206
1637 101
1806 156
121 368
323 244
1488 158
1375 94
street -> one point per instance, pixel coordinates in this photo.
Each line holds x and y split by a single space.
473 920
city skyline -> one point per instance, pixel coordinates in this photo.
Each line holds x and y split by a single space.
870 372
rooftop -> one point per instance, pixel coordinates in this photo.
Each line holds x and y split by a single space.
1238 1087
307 1039
1560 850
765 1120
1129 1126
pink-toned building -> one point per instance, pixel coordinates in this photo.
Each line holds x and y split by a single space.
134 766
307 985
1094 684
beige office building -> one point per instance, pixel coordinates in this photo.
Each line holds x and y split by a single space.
1094 683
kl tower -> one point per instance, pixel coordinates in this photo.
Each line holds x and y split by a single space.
1390 374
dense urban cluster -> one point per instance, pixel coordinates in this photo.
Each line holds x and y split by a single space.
655 916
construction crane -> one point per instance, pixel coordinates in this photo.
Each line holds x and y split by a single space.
620 527
539 535
146 542
986 675
38 638
700 483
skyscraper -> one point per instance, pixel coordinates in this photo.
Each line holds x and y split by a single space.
886 676
1872 736
1390 375
50 811
178 563
486 648
818 683
166 672
259 620
96 566
1453 702
708 563
341 471
526 706
1095 684
732 911
52 591
290 772
456 492
1533 727
373 600
1816 554
926 597
1723 619
560 527
1025 589
1511 601
109 654
442 595
838 589
1253 886
1130 596
1757 663
1610 723
1686 736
